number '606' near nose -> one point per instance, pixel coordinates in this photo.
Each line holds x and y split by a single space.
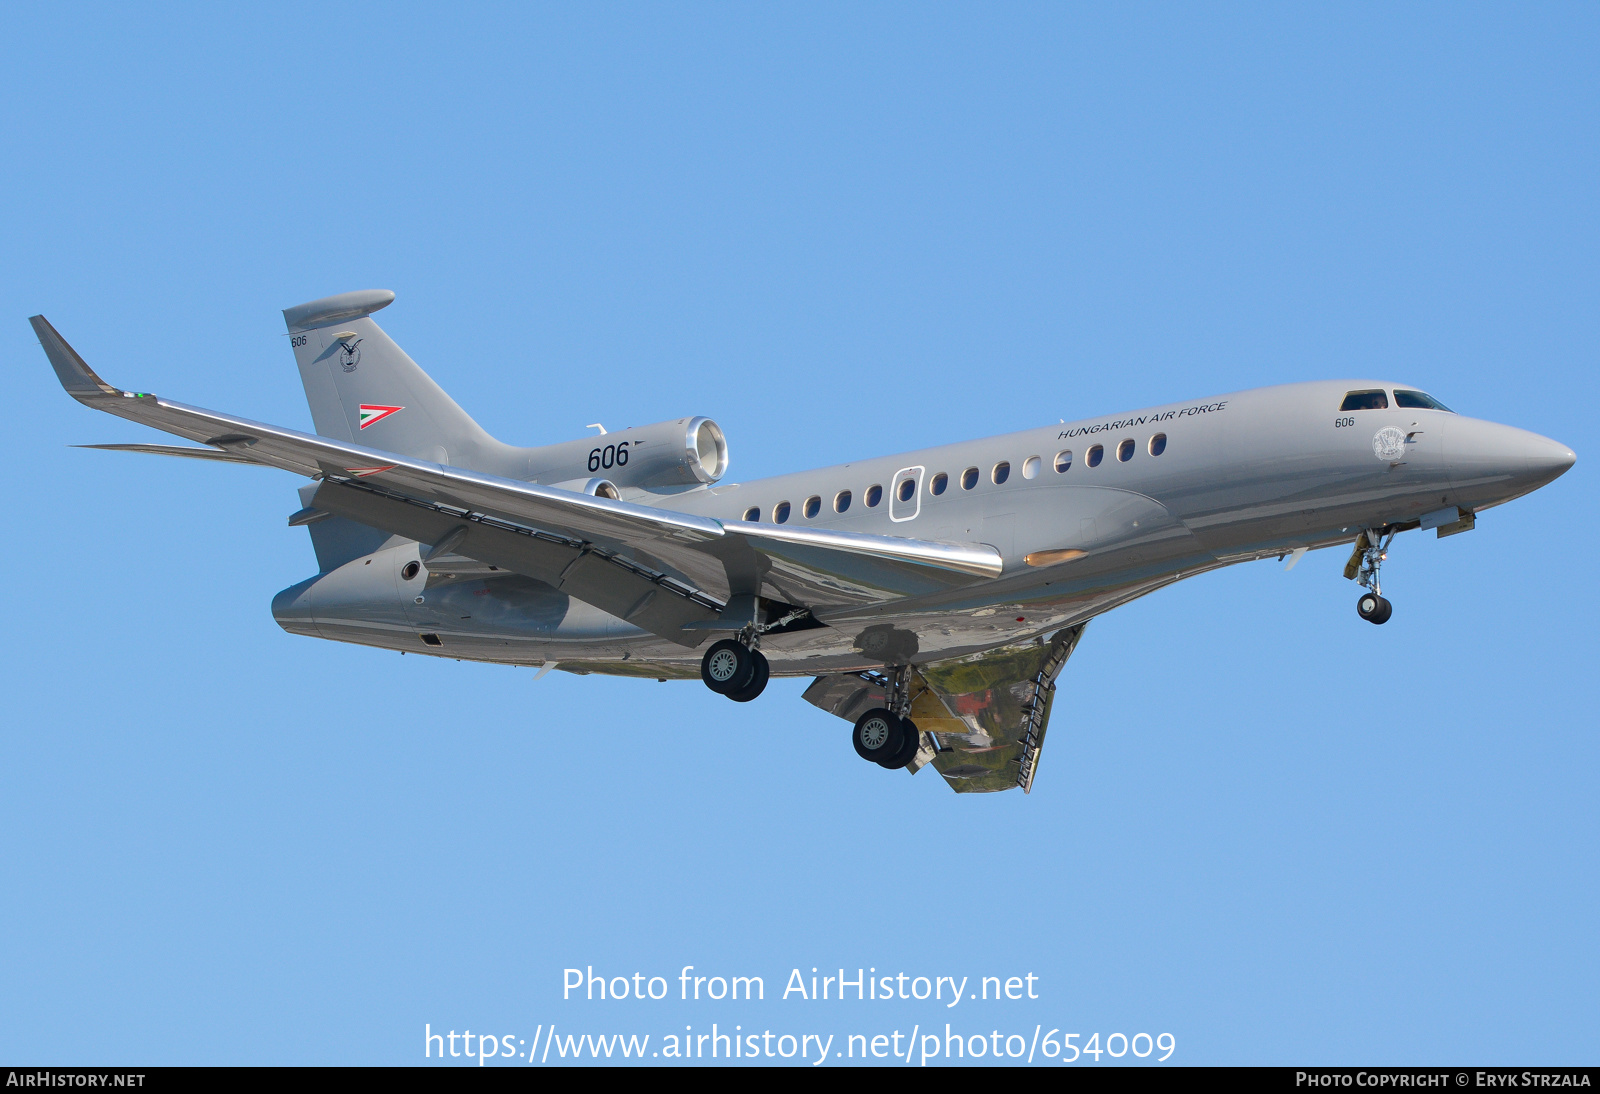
934 596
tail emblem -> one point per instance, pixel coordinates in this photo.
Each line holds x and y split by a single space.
370 414
349 354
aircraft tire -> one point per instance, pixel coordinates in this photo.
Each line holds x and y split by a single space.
877 735
758 679
911 740
1374 608
727 666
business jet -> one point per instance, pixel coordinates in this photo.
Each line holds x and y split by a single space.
934 596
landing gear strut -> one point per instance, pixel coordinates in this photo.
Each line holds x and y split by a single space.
885 735
1371 549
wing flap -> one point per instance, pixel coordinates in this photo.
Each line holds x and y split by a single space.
987 713
999 703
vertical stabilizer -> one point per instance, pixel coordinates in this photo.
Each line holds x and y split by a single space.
363 388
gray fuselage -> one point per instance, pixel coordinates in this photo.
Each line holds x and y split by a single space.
1086 514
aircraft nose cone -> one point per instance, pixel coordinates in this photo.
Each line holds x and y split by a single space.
1548 460
1497 462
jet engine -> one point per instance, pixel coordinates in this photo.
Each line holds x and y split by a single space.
665 458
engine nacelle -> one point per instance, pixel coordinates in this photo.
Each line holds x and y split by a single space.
683 453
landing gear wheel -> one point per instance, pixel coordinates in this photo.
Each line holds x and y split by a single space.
1374 608
727 666
911 740
877 735
758 680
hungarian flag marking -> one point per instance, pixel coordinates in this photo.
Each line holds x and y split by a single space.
363 472
370 414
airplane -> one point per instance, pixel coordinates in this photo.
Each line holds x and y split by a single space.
934 597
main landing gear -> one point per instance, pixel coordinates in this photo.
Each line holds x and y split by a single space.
887 737
1372 548
735 668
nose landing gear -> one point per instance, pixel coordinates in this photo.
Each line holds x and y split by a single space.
1372 547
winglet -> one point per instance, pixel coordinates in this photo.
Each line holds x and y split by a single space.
76 376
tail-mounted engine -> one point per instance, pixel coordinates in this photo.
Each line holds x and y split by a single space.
665 457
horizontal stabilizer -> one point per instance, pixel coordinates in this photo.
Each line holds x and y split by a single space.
336 309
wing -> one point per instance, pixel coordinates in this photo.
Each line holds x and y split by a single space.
659 569
986 714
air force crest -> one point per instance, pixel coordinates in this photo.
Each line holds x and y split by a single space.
349 354
1389 444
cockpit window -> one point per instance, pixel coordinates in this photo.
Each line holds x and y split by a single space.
1365 400
1419 400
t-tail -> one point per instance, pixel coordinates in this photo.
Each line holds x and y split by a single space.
362 387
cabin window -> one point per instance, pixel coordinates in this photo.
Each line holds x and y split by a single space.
969 478
1365 400
1095 455
1030 467
780 513
812 507
1125 450
905 489
874 495
1063 460
938 483
841 501
753 513
1418 400
1158 444
1001 472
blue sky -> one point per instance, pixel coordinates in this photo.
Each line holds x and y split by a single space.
1261 825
